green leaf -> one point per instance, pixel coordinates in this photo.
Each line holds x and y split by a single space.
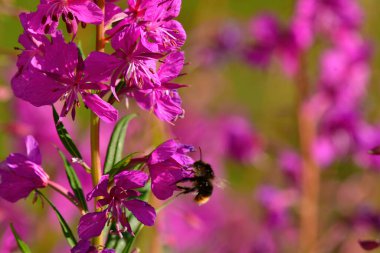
65 227
116 144
66 140
121 165
20 243
74 182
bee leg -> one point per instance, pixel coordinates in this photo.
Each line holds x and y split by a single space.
187 179
186 189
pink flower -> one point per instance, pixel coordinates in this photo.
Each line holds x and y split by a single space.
21 174
164 100
153 22
121 197
60 73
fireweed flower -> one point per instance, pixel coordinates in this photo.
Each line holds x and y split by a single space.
167 165
61 73
132 61
152 89
21 174
45 20
121 197
163 100
153 21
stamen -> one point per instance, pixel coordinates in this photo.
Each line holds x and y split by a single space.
64 17
46 29
69 28
44 19
54 17
83 24
70 15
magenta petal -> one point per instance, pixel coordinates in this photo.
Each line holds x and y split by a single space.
144 212
164 151
91 225
167 107
172 67
32 150
104 110
100 66
27 169
87 12
13 187
164 181
37 88
19 177
100 189
83 246
131 179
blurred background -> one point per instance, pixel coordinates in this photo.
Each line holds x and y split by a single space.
283 100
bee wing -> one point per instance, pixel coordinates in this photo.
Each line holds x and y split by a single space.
221 183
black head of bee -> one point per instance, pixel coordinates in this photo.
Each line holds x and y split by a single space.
202 169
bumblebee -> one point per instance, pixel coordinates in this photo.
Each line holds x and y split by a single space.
201 182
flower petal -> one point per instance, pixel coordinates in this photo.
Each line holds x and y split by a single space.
33 150
100 189
144 212
87 12
91 225
131 179
104 110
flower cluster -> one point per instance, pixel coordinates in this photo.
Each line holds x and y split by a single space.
146 57
146 41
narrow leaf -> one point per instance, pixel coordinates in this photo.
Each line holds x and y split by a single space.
121 165
65 227
74 181
20 243
116 144
66 140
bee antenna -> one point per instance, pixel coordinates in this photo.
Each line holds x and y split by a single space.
200 153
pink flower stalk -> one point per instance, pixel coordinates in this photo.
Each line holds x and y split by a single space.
21 174
120 197
272 39
325 16
60 73
46 19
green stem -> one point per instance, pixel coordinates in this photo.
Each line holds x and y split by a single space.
66 193
96 169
